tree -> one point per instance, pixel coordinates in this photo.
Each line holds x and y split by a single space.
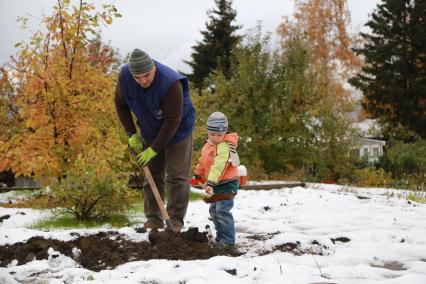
7 108
219 39
61 106
407 161
324 26
281 108
393 79
246 95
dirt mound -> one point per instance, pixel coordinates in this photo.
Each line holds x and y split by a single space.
297 249
107 250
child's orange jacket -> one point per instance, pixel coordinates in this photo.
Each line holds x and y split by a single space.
218 163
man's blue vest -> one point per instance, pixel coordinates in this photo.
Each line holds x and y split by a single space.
147 104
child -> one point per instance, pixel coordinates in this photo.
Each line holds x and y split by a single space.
218 165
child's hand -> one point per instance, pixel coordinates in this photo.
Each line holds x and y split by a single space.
209 190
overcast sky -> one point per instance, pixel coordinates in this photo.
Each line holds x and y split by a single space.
166 29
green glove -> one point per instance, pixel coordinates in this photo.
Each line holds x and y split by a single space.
146 156
136 142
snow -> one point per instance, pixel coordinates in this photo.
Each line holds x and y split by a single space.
387 242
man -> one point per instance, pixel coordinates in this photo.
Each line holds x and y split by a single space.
159 98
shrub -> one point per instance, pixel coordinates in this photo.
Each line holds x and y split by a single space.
408 162
372 177
91 190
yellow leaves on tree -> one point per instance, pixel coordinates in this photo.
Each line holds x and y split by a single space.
323 25
63 102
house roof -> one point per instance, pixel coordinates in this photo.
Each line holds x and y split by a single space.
370 140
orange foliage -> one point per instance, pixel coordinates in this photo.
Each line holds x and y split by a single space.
63 96
323 25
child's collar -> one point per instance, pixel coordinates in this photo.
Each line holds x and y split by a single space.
211 143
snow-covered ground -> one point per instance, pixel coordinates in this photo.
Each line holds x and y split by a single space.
387 242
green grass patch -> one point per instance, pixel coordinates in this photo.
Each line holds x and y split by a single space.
416 198
136 207
67 221
70 222
193 196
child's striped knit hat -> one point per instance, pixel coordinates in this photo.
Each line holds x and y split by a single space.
217 122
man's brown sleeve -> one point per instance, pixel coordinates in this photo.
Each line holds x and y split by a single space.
123 110
172 109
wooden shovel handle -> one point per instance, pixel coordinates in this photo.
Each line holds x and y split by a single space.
157 196
156 193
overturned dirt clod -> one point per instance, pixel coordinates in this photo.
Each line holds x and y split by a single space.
340 239
297 249
293 248
106 250
231 271
189 245
5 217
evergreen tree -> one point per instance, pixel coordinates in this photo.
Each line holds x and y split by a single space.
394 76
219 39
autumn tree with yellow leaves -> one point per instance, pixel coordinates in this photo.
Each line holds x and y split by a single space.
323 26
55 99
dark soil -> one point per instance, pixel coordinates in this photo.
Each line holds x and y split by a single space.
232 271
293 248
106 250
340 239
362 197
262 237
2 218
296 249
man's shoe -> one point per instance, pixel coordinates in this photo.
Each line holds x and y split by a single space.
177 226
153 224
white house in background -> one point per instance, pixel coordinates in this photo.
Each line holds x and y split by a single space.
370 148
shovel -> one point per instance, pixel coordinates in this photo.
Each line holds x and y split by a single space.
157 196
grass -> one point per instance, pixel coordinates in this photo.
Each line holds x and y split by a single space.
136 207
70 222
17 195
22 193
35 200
416 198
193 196
40 200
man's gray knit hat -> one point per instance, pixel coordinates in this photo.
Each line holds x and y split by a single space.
140 62
217 122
